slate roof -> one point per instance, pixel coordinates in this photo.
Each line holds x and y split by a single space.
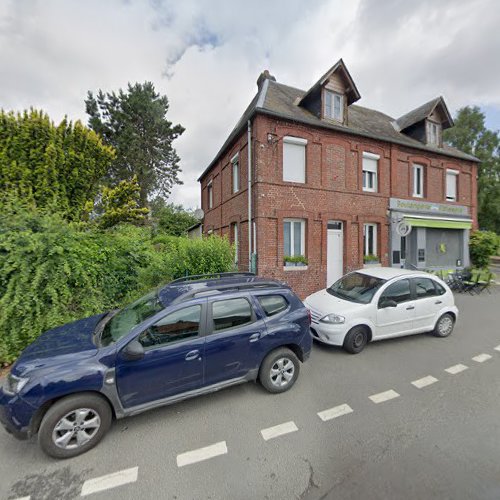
279 100
422 112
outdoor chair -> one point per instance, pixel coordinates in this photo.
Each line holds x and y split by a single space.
483 285
471 284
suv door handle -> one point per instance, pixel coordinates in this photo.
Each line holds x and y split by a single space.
254 337
192 355
409 308
438 302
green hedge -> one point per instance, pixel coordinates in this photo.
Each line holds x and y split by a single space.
482 245
53 272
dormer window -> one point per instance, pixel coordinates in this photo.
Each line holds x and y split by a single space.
433 133
334 106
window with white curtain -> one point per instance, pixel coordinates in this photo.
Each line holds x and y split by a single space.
210 195
294 237
370 239
370 171
451 185
235 162
334 105
294 159
418 181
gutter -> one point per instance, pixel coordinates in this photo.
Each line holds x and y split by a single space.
249 145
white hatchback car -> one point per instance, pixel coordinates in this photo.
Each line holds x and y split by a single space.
380 303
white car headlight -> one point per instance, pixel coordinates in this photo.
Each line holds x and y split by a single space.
335 319
13 384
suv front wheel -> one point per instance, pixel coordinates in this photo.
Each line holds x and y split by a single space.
279 370
73 425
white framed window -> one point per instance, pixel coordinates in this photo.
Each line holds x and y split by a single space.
235 162
451 185
334 106
369 239
210 195
418 181
370 171
294 159
294 237
236 242
433 133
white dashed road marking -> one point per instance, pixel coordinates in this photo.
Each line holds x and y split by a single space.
424 382
481 358
384 396
497 348
335 412
109 481
191 457
278 430
453 370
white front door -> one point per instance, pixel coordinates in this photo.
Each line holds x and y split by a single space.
334 252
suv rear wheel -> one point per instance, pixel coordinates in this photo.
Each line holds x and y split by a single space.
279 370
74 425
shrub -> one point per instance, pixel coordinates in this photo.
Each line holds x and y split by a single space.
482 245
53 272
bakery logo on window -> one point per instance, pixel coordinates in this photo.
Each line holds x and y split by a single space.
442 248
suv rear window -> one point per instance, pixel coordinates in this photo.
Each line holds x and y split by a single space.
273 304
231 313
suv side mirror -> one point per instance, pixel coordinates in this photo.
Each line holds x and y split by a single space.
387 303
133 351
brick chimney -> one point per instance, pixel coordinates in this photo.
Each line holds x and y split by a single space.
265 75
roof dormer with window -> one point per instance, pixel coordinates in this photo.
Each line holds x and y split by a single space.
331 95
426 123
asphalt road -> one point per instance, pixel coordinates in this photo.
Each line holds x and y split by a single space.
441 440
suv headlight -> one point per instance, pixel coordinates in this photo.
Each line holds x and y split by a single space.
13 384
335 319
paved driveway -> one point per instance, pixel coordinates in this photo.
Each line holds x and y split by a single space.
412 418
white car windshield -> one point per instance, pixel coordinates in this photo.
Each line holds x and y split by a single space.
356 287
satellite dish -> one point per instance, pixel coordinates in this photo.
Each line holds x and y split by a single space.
199 213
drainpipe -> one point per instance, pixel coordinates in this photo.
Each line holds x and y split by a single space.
249 143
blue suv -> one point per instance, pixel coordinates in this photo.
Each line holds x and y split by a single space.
193 336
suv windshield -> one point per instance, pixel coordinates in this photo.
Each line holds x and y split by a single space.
129 317
356 287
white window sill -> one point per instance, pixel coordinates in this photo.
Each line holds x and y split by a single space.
295 268
368 190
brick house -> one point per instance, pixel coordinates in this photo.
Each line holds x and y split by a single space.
336 186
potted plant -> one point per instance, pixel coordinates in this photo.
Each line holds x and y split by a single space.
371 260
294 261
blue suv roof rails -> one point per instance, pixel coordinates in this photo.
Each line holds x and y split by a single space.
197 292
194 277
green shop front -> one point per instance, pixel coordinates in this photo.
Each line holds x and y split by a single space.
427 235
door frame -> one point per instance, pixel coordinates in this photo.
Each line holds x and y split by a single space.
340 231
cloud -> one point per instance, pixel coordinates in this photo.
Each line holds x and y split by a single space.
206 56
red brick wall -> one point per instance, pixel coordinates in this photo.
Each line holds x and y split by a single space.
332 192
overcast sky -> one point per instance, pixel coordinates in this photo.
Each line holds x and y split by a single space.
206 57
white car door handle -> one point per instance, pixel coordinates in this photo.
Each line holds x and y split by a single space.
410 307
438 302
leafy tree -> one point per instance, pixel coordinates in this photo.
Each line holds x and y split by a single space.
56 167
172 219
121 204
134 122
471 136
